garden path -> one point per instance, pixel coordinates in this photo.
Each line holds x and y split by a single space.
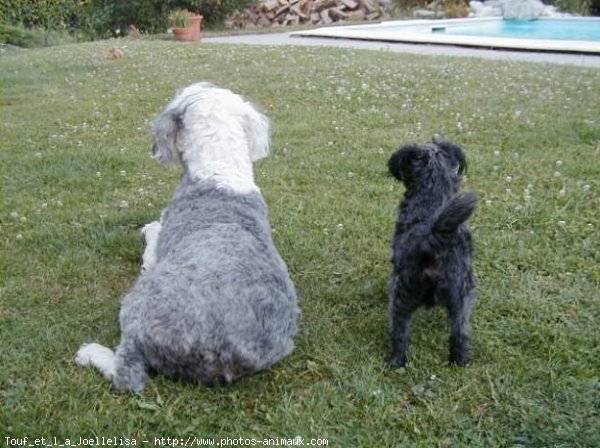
585 60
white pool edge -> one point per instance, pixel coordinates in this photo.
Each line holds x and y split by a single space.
412 32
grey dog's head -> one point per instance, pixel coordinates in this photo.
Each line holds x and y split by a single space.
203 113
435 161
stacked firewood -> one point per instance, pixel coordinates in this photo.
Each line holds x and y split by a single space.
297 12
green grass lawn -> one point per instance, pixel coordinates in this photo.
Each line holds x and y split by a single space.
78 182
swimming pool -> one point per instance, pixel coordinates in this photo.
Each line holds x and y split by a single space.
548 29
578 35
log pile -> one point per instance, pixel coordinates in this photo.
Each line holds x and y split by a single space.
299 12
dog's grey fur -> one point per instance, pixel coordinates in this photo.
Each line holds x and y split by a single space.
432 250
218 303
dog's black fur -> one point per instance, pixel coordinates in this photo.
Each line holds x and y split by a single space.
432 247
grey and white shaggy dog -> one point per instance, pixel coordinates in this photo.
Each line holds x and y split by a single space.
432 251
214 300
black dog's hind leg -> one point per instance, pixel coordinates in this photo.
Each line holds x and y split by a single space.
459 313
400 313
400 336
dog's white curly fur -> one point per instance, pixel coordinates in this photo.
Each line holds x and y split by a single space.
214 300
222 135
103 358
151 232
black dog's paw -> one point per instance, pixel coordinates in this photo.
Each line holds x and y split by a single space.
397 361
460 359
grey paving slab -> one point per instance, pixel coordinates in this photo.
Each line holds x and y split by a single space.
584 60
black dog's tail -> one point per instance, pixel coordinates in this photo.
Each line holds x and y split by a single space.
450 216
441 235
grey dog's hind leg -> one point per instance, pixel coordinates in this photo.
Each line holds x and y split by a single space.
130 372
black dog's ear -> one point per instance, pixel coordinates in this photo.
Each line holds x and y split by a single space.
400 162
454 152
394 165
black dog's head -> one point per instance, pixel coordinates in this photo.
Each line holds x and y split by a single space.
438 160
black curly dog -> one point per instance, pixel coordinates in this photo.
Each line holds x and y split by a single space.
432 247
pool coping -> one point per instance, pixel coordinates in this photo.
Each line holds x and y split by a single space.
414 33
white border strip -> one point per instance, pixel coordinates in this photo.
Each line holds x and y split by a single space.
419 31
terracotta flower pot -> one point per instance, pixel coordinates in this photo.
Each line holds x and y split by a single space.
196 25
182 34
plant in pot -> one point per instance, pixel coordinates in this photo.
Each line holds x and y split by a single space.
180 20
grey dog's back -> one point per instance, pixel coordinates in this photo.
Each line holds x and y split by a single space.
219 303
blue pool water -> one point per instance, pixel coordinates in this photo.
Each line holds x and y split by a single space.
565 35
546 29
